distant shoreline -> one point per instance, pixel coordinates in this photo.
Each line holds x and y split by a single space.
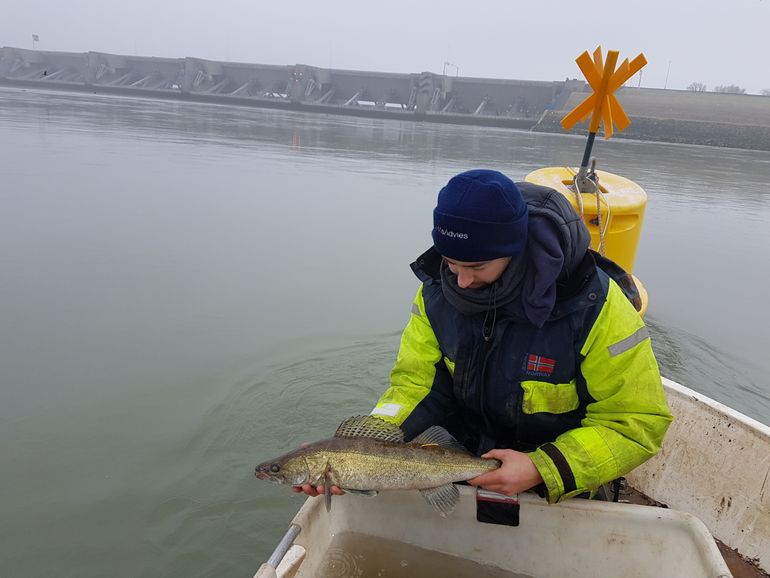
683 117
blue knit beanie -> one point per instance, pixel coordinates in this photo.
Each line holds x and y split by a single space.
480 216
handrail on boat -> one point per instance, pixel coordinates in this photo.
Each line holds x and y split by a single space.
284 545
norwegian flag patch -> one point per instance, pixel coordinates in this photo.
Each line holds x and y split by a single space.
539 365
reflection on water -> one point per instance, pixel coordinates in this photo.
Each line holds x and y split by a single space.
190 288
360 556
689 175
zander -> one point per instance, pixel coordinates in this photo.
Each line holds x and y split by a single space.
368 454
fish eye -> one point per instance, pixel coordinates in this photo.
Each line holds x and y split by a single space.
275 468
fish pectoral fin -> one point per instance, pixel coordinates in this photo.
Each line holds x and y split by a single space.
316 464
369 493
367 426
443 499
328 497
436 435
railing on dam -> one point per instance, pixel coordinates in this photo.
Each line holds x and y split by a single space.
293 86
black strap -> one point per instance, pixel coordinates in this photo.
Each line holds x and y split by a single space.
617 484
562 465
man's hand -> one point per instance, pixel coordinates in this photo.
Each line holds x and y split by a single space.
517 473
315 490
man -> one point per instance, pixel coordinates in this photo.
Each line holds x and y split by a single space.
523 347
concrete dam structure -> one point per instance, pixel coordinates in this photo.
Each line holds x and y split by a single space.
423 95
707 118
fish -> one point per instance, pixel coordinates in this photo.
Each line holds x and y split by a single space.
368 455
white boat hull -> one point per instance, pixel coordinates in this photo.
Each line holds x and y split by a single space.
713 472
552 541
715 464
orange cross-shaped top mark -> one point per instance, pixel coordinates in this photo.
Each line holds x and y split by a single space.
602 105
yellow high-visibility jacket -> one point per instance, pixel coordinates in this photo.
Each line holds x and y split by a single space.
583 393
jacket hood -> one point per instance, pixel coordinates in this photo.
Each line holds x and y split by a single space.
551 205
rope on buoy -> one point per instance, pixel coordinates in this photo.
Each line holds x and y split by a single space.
578 198
603 226
602 230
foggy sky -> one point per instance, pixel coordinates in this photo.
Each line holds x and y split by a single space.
713 43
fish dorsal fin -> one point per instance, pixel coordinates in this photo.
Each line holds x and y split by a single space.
442 499
436 435
367 426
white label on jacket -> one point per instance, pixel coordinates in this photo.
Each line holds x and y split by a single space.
388 409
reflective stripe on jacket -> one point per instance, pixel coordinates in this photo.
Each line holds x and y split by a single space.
583 394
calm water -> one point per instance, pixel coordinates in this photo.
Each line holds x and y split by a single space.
187 289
